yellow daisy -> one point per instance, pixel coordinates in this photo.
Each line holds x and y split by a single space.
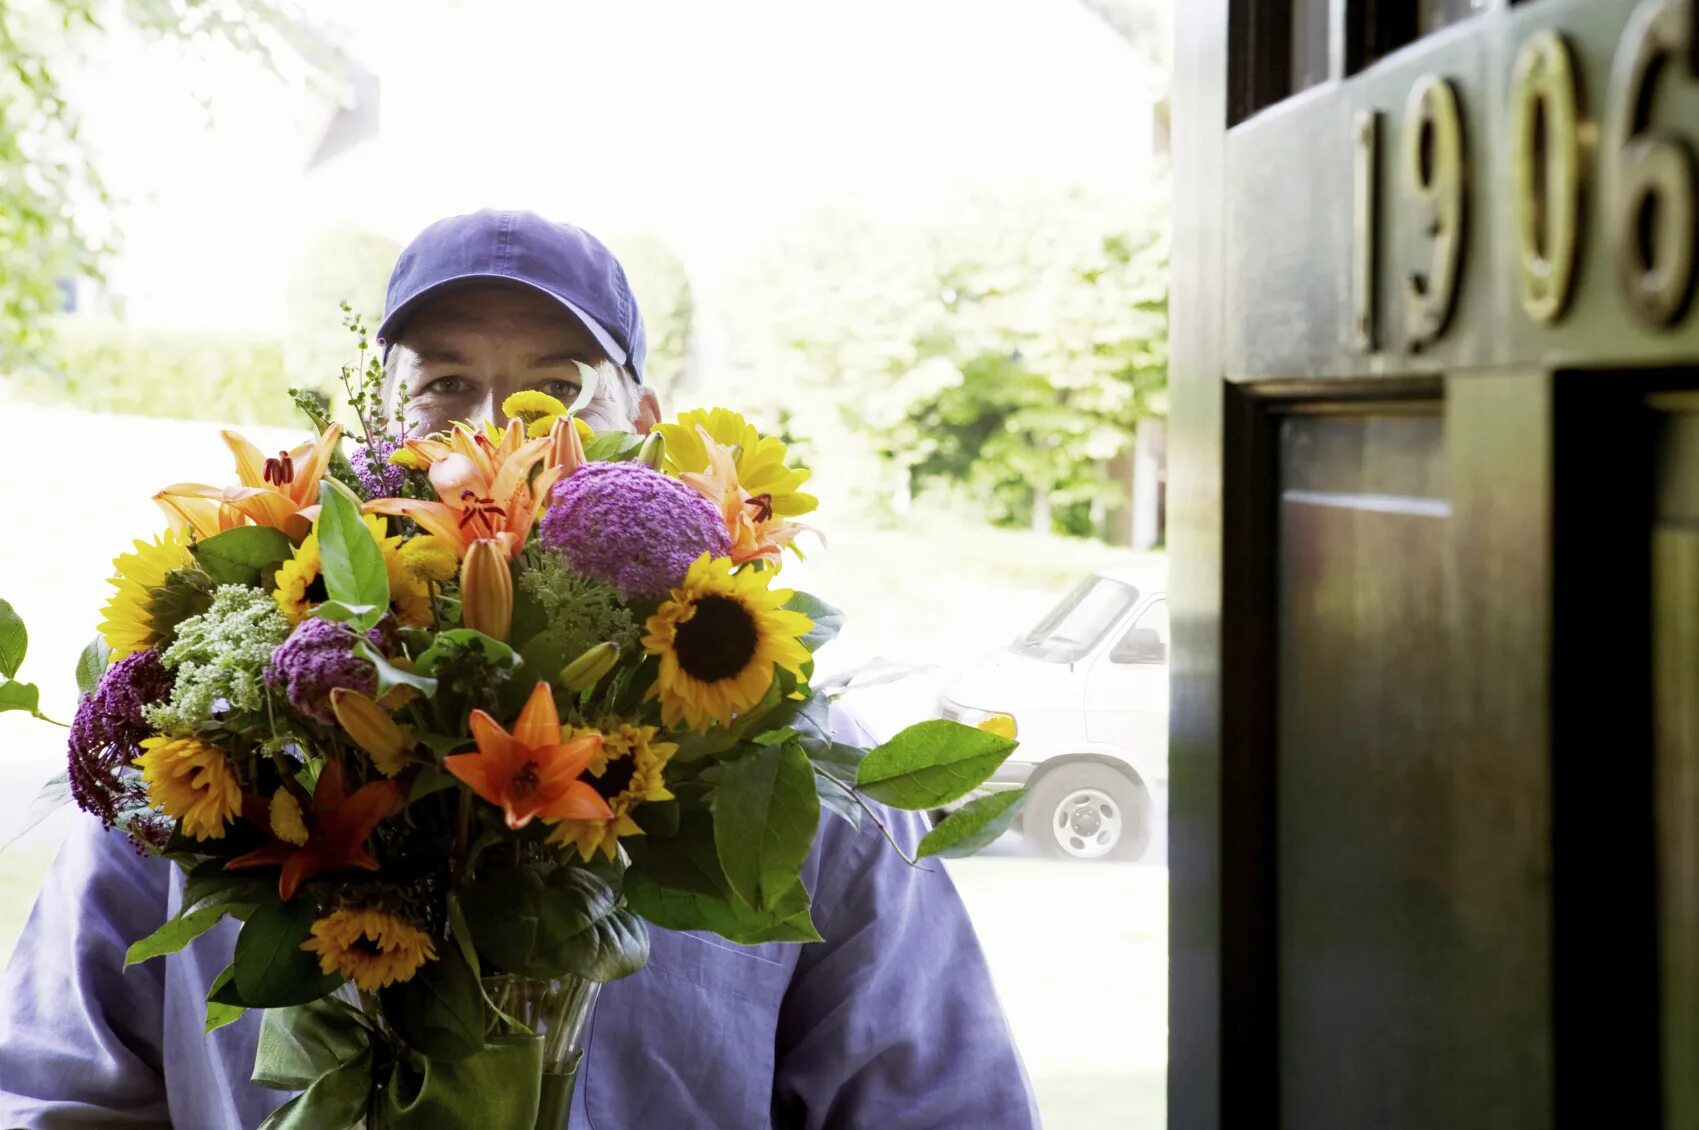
193 782
300 581
430 558
719 635
537 411
760 459
374 948
128 625
287 822
627 772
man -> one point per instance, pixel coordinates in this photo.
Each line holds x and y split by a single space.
890 1022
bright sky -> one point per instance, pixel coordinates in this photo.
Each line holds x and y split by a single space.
712 124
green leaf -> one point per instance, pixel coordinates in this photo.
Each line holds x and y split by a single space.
766 810
725 915
495 652
14 640
272 970
209 883
19 696
389 675
431 779
358 615
222 992
930 764
973 826
544 925
353 570
827 620
92 664
443 744
612 447
218 1015
235 557
440 1009
178 932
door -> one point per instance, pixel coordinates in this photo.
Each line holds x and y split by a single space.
1434 810
1126 704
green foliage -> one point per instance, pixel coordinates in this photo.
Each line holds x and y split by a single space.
92 664
55 211
766 811
973 826
236 557
338 265
546 924
560 614
1017 347
677 883
931 764
271 968
827 620
439 1011
107 366
220 654
14 640
354 570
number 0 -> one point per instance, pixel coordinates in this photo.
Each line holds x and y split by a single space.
1545 149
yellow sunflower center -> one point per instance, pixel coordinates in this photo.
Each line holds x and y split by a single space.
718 641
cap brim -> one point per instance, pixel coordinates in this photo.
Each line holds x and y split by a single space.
396 319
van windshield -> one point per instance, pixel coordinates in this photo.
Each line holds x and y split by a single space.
1075 626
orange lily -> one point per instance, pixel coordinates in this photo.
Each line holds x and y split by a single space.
484 488
337 830
282 491
531 772
756 532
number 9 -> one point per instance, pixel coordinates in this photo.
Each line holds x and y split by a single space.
1651 212
1434 176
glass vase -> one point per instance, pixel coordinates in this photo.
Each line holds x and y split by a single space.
559 1012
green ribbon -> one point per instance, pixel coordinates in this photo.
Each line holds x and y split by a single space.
330 1052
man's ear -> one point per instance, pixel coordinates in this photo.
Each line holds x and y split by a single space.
648 411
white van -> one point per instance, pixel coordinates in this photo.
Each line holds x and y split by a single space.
1086 692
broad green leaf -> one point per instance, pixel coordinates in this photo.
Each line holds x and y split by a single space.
431 779
19 696
272 970
725 915
235 557
973 826
14 640
827 620
496 652
221 993
930 764
612 447
440 1009
353 566
766 810
218 1015
389 675
92 664
546 924
177 933
208 883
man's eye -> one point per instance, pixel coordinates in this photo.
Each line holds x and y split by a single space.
560 389
445 386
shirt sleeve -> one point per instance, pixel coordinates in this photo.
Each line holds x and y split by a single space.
892 1021
81 1036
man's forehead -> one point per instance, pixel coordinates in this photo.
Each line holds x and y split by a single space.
448 321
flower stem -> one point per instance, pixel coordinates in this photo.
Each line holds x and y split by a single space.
50 721
878 823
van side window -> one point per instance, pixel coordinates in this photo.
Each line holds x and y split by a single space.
1147 640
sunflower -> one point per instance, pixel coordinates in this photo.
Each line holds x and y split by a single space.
129 625
375 948
627 773
760 460
193 782
300 580
719 636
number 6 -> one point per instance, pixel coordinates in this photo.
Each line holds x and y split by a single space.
1651 212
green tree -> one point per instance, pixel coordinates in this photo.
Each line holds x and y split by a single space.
55 211
1008 354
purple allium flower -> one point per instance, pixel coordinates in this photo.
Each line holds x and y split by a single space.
379 477
630 526
106 737
317 658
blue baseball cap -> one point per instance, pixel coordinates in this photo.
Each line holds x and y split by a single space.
564 262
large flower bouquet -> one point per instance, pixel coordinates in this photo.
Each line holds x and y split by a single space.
447 722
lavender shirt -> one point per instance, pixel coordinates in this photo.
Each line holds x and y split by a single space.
891 1022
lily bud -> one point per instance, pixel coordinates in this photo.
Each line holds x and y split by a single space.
372 729
654 449
486 589
566 445
587 670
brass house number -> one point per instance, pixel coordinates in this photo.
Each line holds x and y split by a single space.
1648 180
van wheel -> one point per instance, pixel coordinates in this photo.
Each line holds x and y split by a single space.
1087 810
